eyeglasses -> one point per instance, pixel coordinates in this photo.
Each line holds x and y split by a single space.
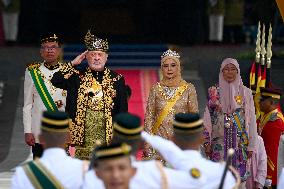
226 70
46 48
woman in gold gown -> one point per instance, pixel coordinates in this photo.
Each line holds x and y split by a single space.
169 96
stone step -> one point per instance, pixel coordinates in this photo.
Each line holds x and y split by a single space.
5 179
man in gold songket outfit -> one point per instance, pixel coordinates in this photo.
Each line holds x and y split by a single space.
94 95
169 96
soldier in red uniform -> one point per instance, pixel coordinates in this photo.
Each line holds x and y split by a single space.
271 126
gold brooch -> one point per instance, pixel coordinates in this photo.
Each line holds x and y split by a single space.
64 93
59 103
195 173
238 99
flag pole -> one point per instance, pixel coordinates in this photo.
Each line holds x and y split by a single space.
269 55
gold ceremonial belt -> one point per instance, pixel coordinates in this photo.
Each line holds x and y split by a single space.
96 107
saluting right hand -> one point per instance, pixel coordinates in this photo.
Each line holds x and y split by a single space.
30 139
79 59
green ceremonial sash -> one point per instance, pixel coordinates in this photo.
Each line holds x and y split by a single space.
40 177
42 90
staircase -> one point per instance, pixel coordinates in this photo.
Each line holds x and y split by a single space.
124 55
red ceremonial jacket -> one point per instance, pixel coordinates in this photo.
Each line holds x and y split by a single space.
272 125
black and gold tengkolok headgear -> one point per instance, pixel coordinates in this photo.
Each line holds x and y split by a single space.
112 151
187 123
55 121
127 125
94 43
49 38
270 92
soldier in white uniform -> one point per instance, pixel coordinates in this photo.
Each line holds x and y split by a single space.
114 166
185 153
54 169
150 174
39 93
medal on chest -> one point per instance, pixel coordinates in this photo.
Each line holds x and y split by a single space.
95 91
228 121
239 99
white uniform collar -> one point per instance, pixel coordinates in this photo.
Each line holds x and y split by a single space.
52 151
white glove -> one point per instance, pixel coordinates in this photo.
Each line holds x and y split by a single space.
268 183
146 136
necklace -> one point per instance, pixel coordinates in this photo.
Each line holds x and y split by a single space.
167 92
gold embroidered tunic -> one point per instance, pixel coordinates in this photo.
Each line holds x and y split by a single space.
159 97
93 98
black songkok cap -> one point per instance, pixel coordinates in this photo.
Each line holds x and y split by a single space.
187 123
271 92
127 125
50 37
112 151
55 121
